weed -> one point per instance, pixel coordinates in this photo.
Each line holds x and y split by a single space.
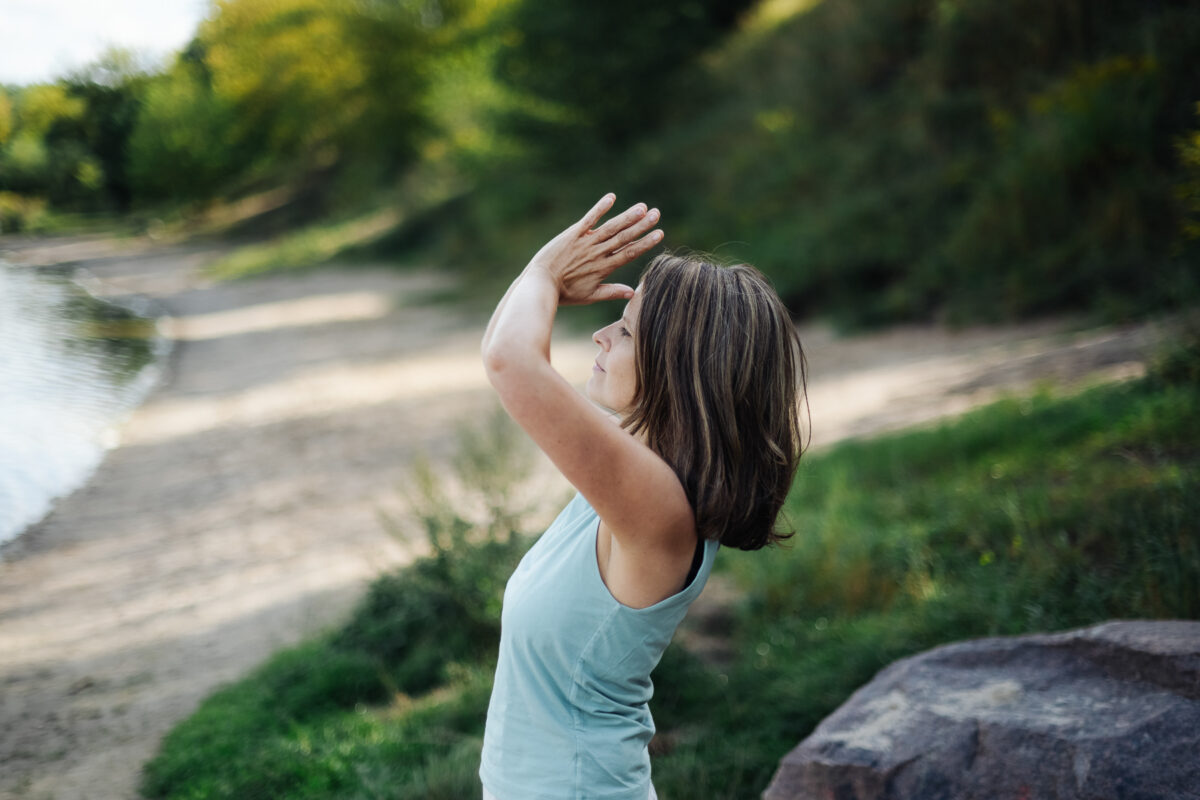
1029 515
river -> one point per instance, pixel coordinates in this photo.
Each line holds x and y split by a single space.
72 367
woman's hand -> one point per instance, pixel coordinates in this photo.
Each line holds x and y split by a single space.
581 257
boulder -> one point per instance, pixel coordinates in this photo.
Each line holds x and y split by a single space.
1110 712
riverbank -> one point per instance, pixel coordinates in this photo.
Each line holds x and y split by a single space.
72 367
240 512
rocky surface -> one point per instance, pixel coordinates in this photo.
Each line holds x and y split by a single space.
1110 712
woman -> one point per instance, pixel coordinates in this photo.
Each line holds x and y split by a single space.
704 373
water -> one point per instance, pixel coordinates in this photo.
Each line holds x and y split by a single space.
72 367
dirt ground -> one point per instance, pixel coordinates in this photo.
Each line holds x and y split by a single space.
240 512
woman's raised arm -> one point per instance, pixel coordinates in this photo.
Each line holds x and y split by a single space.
634 491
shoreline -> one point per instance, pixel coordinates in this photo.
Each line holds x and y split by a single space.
147 380
239 513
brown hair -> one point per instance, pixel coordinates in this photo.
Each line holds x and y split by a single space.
720 377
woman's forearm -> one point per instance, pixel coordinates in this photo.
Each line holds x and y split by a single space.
570 268
518 333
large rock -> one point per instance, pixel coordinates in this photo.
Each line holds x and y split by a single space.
1110 712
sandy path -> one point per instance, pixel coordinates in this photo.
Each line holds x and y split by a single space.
240 513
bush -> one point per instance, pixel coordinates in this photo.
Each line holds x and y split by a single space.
1179 361
964 161
19 213
415 640
583 65
1029 515
1026 516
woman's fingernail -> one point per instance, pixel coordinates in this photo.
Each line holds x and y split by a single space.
652 213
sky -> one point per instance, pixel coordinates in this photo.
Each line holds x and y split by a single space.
43 39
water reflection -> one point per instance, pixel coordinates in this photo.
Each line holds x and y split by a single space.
71 368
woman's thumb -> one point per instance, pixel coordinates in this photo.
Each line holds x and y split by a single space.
612 291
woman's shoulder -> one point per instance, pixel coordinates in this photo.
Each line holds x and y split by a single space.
578 505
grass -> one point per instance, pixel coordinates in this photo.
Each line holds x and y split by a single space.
305 247
1029 515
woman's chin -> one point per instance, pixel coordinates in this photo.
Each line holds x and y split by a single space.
593 393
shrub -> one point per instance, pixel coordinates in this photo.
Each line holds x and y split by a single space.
293 728
18 213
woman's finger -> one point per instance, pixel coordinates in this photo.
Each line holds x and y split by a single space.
599 210
633 250
634 231
619 223
611 291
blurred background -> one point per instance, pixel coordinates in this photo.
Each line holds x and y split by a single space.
882 161
256 508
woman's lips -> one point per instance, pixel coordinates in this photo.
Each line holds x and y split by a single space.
597 368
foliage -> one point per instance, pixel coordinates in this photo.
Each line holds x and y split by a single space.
306 76
1085 509
421 638
65 141
242 744
19 213
284 87
31 163
880 160
111 90
6 117
1189 187
588 66
1179 361
266 90
1030 515
179 146
972 160
1027 516
304 248
444 608
963 160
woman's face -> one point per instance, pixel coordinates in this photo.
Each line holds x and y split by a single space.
614 375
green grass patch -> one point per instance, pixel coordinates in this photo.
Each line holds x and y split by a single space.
1032 514
306 247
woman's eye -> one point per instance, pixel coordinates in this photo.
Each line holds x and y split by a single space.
624 332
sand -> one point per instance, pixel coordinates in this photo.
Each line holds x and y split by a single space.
240 512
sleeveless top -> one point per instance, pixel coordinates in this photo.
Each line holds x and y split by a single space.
568 718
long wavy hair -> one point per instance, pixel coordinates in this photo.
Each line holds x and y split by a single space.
721 376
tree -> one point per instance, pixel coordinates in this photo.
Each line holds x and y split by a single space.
602 70
320 78
285 86
111 88
181 147
39 157
5 117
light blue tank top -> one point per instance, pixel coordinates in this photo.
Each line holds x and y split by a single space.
568 718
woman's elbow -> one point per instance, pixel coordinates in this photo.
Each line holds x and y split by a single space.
511 369
502 363
495 361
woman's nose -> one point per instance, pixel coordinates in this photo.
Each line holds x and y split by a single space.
600 338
